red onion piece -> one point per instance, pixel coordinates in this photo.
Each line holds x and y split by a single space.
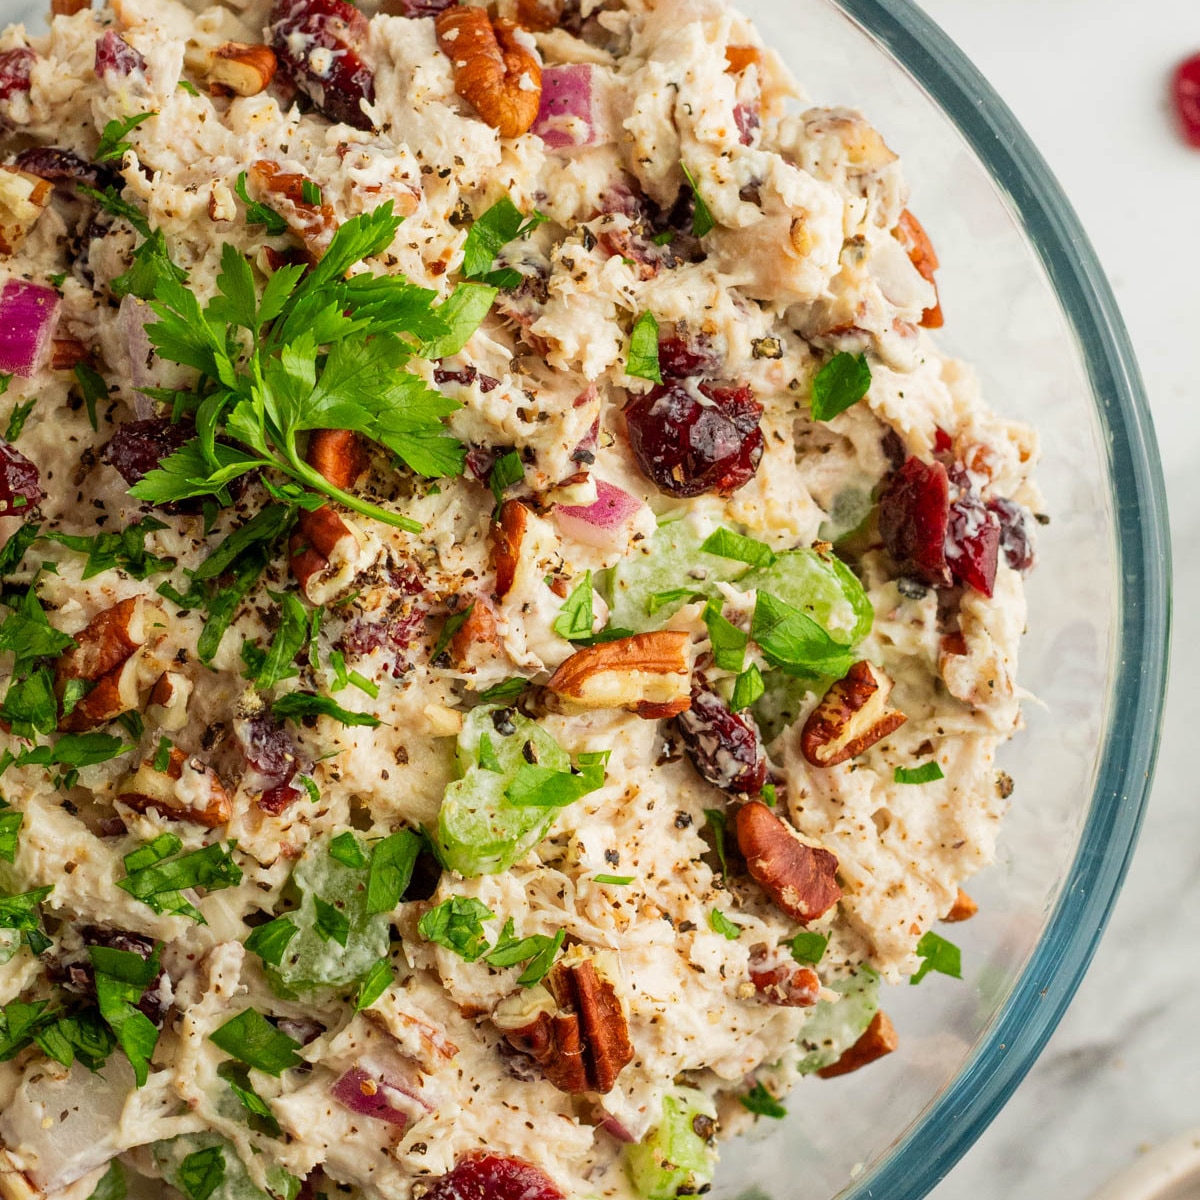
114 54
374 1094
570 116
604 523
20 482
134 316
614 1128
28 315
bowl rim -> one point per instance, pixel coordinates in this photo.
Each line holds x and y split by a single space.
1038 1000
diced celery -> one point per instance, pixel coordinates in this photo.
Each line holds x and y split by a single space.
820 585
312 960
480 832
780 704
671 561
835 1025
185 1159
678 1157
848 515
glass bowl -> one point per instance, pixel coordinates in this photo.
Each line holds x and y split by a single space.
1028 305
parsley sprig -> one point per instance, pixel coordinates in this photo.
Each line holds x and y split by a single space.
314 350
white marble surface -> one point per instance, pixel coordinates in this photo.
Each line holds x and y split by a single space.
1088 79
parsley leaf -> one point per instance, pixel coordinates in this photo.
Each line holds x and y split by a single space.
259 214
390 870
760 1102
261 530
507 471
297 705
93 389
259 1116
19 1024
121 978
576 617
22 913
727 544
112 144
702 218
290 638
535 786
842 382
270 941
346 850
613 880
510 689
112 1185
728 641
251 1038
17 419
457 924
110 200
373 984
30 705
158 879
747 688
332 924
808 947
499 225
15 548
461 313
717 822
125 550
928 772
454 622
940 955
793 641
10 829
642 362
202 1172
718 922
75 750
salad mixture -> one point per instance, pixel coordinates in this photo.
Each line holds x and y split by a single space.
507 615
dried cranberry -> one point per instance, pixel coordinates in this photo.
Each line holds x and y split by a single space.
62 166
419 8
746 118
690 440
115 54
480 461
395 632
914 513
138 447
1014 533
688 356
485 1175
16 68
942 442
466 376
973 542
318 44
724 746
1186 93
20 482
272 762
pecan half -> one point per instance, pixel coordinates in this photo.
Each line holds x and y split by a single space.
800 879
23 198
188 790
910 233
648 673
477 640
573 1027
851 717
778 980
241 69
66 353
322 542
101 656
495 71
879 1039
963 909
314 223
508 532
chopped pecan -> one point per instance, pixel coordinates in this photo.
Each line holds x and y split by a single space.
800 879
739 58
508 532
322 541
241 69
168 701
101 656
66 354
68 8
188 790
314 223
879 1039
910 233
573 1027
495 71
14 1183
851 717
963 909
23 198
778 980
477 640
540 15
648 673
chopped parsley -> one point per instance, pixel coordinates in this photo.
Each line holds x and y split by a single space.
718 922
499 225
613 880
310 193
507 472
535 786
728 641
121 979
747 688
17 419
726 544
331 923
251 1038
22 913
112 145
373 984
538 950
510 689
298 705
390 870
259 214
702 218
125 550
93 389
808 947
112 1185
75 750
290 638
760 1102
346 850
642 362
259 1116
10 829
454 622
717 822
201 1173
928 772
271 940
940 955
457 924
794 642
842 382
158 875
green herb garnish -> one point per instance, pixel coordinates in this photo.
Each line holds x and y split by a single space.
642 362
842 382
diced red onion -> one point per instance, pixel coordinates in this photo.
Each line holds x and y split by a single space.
373 1094
115 54
134 316
28 315
613 1127
603 523
570 115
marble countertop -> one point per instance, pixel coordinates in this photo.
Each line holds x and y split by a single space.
1088 80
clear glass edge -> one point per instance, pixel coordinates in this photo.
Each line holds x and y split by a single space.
1021 1029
